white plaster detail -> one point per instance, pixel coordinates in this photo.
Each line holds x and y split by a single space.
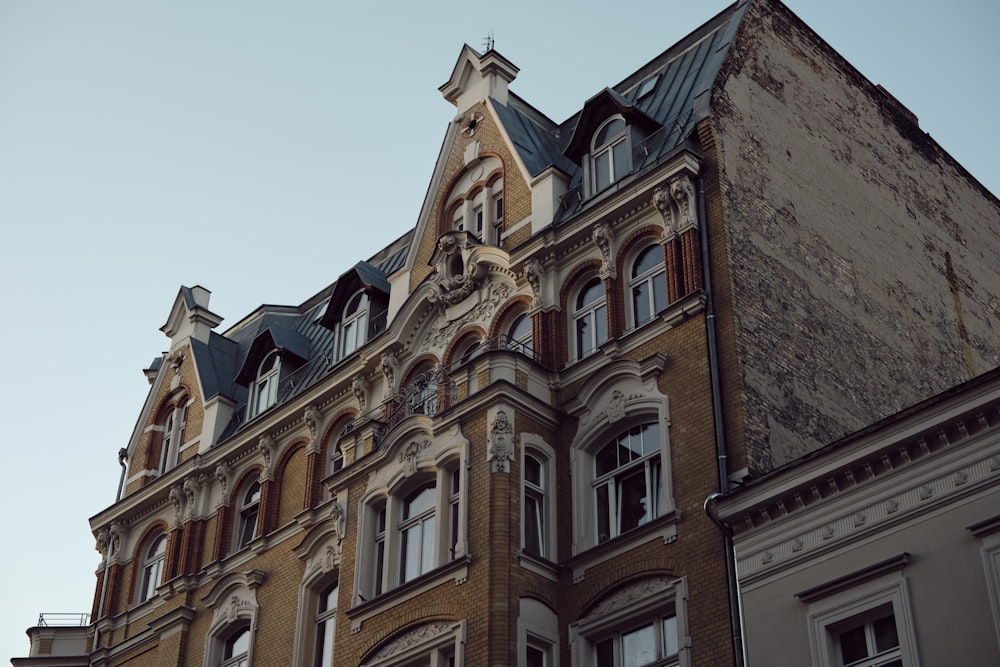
604 237
266 446
313 419
501 443
628 596
421 635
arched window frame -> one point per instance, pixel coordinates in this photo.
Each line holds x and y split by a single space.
538 506
382 565
476 202
233 603
647 284
520 334
154 555
589 329
265 386
354 324
610 151
236 647
172 433
247 526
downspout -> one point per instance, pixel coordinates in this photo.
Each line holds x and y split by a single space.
735 606
122 455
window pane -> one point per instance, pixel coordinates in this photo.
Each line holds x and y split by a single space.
536 657
660 291
641 302
633 503
853 645
584 342
620 160
605 653
609 132
603 514
602 170
885 634
419 502
427 543
601 320
593 291
670 643
639 647
411 553
533 470
606 459
650 258
532 526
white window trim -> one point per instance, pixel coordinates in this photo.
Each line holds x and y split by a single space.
537 624
413 458
529 442
590 310
233 602
320 551
241 508
591 158
649 278
991 565
430 640
268 380
151 564
359 320
641 601
843 605
172 435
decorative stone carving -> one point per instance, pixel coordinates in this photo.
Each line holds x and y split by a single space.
533 273
339 515
192 486
177 500
360 388
501 443
117 531
103 538
676 205
408 456
390 370
628 596
682 191
425 633
603 236
313 419
616 407
267 446
224 474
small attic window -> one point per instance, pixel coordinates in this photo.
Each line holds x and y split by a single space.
646 87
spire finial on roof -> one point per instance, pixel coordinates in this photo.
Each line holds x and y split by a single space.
488 41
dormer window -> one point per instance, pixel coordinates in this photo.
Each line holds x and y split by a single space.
354 326
265 388
609 153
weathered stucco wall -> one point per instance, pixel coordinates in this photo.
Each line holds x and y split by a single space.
864 259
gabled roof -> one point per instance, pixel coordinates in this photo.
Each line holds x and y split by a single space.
277 336
599 108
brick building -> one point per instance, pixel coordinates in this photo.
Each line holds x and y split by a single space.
490 442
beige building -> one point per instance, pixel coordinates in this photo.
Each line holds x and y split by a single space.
491 441
882 548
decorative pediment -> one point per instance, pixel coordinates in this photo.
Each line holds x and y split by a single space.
595 111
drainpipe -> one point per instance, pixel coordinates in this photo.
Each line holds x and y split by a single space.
735 606
122 455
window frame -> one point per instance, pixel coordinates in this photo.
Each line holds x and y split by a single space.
653 279
353 330
249 506
594 311
241 659
533 446
612 481
264 394
611 150
436 644
829 614
522 342
153 567
172 434
642 603
325 625
383 521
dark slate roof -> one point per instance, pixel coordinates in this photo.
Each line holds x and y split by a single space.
669 111
216 363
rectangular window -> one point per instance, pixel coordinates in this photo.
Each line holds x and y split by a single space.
379 568
454 505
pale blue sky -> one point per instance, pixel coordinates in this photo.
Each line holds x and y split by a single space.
260 149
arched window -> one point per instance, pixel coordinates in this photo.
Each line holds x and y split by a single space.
265 389
519 335
249 512
609 153
627 484
152 567
590 320
535 504
236 651
648 284
326 623
417 532
172 436
354 325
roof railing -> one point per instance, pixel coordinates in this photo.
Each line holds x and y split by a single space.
61 620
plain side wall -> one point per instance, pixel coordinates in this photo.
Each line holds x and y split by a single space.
864 259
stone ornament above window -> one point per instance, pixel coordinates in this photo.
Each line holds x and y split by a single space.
604 237
677 207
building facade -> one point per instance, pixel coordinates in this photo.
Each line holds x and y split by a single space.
882 548
490 443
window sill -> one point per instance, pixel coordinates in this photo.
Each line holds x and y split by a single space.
538 565
457 569
664 527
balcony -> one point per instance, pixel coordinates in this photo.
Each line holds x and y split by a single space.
58 639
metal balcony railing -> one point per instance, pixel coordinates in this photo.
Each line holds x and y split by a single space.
58 620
